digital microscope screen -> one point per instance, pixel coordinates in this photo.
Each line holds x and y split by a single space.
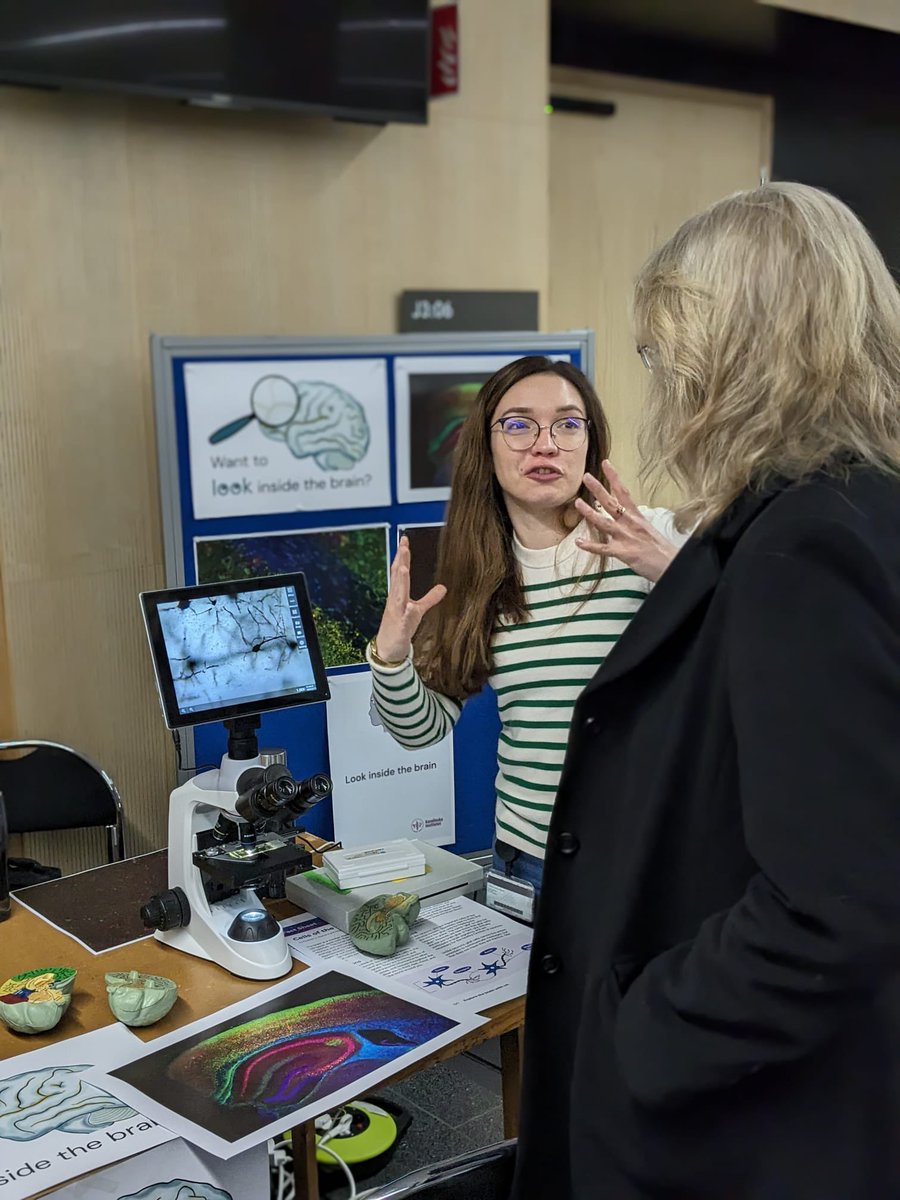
234 649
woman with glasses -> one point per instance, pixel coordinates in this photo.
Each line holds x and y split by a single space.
535 588
714 998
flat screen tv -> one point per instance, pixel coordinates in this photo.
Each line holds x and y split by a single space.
356 59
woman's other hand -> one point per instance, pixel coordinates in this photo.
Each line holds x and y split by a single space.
403 616
621 530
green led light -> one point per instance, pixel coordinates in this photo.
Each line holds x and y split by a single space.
548 108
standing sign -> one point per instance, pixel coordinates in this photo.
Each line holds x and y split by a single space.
381 790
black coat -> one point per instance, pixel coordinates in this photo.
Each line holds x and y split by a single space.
714 999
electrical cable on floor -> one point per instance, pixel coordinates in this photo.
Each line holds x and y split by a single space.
333 1129
281 1155
340 1162
282 1160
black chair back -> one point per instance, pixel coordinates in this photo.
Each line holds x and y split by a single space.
53 787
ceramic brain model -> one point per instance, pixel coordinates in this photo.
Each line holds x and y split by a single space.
55 1099
329 426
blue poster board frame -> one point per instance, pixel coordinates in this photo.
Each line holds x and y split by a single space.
303 731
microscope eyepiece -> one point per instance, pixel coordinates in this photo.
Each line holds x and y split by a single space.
309 792
267 792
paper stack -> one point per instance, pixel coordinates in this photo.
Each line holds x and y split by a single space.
366 865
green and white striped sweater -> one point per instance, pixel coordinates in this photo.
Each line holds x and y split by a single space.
539 669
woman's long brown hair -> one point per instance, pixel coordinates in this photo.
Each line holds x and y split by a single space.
475 553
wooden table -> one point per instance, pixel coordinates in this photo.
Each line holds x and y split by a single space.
27 942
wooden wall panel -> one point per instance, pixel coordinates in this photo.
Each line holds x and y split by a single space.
121 217
620 185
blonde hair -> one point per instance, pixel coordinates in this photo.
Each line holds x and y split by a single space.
776 325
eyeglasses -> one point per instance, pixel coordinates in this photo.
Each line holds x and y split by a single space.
521 433
649 357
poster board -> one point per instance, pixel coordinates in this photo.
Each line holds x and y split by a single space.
284 453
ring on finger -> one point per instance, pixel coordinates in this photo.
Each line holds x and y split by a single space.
620 508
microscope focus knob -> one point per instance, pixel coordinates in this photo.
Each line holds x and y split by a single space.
166 910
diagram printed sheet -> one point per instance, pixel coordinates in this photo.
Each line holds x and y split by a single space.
232 1080
460 950
177 1171
55 1124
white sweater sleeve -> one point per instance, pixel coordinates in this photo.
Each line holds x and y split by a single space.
413 714
663 519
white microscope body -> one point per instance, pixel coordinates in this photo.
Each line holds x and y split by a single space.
194 808
231 842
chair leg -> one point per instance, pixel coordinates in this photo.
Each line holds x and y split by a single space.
115 842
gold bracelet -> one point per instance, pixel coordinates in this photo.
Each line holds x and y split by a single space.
378 660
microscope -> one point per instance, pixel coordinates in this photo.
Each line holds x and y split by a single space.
231 844
232 836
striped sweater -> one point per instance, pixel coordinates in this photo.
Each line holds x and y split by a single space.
539 668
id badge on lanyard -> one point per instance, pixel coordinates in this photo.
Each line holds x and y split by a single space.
512 897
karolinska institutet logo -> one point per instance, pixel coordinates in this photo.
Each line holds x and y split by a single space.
417 825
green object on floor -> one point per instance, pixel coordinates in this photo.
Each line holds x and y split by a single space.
372 1133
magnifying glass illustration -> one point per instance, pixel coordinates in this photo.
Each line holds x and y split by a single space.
274 402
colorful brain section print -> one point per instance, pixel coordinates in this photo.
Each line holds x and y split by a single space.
285 1059
55 1099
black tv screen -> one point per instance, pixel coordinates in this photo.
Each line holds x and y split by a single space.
358 59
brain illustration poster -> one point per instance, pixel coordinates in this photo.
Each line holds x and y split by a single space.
56 1124
262 1066
283 435
177 1171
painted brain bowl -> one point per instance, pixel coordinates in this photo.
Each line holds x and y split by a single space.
34 1001
137 999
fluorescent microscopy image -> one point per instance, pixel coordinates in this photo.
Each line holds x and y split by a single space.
346 573
285 1059
300 1048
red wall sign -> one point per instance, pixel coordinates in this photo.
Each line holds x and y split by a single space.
445 50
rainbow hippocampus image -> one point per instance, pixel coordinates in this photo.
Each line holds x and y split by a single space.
281 1060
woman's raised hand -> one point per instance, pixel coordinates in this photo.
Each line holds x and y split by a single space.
403 616
621 530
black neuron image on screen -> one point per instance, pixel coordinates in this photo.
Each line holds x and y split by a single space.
233 649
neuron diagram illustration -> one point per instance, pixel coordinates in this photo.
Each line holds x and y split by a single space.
487 963
314 419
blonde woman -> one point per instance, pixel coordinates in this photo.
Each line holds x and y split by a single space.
714 1003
